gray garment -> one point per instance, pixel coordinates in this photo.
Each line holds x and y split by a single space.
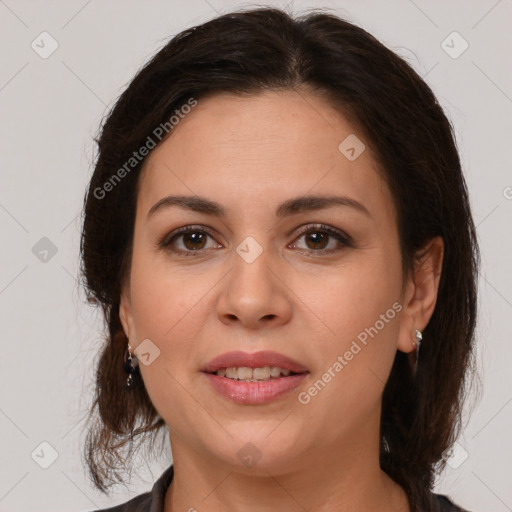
154 500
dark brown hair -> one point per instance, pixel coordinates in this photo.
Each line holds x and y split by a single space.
251 51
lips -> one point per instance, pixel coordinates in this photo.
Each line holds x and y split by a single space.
256 393
253 360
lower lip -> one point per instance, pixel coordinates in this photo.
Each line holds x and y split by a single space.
252 393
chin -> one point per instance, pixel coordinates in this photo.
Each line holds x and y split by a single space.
259 453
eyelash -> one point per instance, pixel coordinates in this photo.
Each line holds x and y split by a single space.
166 241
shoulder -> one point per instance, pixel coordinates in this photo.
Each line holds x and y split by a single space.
140 503
152 501
445 504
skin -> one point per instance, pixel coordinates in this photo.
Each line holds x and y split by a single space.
250 154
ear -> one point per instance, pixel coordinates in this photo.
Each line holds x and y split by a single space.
420 294
125 313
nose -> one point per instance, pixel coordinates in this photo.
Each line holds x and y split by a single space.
255 295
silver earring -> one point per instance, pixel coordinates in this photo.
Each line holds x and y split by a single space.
130 364
417 343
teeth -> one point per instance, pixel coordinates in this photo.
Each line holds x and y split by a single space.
275 371
244 373
252 374
231 373
261 373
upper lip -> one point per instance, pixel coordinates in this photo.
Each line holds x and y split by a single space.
260 359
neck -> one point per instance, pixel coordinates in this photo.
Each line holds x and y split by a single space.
348 479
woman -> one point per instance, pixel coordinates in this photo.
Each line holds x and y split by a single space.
276 223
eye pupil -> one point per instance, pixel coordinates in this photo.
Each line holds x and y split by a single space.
194 238
317 238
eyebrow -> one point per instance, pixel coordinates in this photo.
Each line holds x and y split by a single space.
285 209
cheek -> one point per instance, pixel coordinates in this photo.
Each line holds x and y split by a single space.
357 318
158 308
162 296
355 296
166 308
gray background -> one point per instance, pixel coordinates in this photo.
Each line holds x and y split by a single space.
50 110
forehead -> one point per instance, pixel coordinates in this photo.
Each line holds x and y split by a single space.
250 149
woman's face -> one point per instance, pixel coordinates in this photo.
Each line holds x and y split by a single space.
266 277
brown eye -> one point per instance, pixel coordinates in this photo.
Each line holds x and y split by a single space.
186 241
194 240
317 239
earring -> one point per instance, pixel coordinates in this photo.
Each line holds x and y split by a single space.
130 364
417 343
